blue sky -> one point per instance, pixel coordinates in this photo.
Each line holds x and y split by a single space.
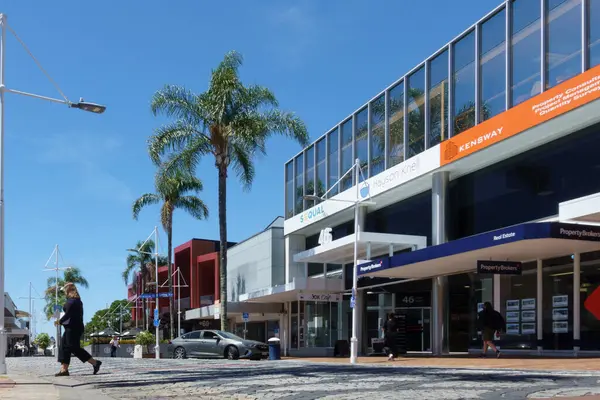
71 176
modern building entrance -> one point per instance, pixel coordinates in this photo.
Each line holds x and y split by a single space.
418 328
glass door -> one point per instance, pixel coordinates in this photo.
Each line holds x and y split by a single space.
418 328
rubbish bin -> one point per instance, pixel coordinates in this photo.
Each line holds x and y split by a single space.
274 349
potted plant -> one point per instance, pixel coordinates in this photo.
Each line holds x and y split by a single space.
143 342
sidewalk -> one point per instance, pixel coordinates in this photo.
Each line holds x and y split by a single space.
508 362
26 388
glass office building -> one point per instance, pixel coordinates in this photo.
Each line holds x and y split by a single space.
496 131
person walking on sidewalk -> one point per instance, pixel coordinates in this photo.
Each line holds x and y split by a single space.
114 345
72 322
490 321
390 329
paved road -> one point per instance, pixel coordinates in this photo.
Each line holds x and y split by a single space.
129 379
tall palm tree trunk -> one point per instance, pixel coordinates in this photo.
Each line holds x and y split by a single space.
223 244
170 268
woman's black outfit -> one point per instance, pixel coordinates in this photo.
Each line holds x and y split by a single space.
390 329
70 343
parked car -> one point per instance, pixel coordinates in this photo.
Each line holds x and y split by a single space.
209 343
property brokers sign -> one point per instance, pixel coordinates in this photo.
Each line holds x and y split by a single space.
499 267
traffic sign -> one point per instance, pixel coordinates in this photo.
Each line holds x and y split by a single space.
155 313
153 295
245 317
157 322
592 303
352 302
57 307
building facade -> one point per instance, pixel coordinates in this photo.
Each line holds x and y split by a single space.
485 151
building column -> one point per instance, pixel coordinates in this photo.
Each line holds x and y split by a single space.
539 306
293 245
576 302
439 292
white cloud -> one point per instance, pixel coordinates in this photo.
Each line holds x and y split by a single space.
89 154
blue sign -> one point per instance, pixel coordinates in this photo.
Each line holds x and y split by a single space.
155 313
352 301
276 331
157 322
57 307
364 191
245 317
153 295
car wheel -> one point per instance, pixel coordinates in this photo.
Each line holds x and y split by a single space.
179 353
232 353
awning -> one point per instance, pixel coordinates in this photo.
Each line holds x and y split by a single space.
525 242
341 251
584 209
290 291
234 308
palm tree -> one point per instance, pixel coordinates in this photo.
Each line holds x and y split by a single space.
71 274
171 190
141 262
229 121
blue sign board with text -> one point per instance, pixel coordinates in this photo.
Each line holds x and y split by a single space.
245 317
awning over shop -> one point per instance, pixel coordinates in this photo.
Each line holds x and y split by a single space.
234 308
583 209
525 242
290 291
341 251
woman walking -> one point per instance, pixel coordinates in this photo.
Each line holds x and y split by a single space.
390 329
72 322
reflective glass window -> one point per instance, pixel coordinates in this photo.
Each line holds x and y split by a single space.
493 66
563 53
464 83
416 112
310 174
438 99
289 190
321 168
525 47
594 32
396 129
347 156
299 184
362 143
377 135
333 161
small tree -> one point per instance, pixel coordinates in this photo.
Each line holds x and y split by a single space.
145 338
43 341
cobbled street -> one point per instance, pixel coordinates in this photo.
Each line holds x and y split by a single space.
130 379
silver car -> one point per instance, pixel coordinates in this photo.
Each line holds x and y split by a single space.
216 344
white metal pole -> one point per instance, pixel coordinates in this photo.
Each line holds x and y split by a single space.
30 314
178 302
3 336
354 338
57 347
157 312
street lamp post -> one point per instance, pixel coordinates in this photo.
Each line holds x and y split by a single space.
30 299
156 309
82 105
358 202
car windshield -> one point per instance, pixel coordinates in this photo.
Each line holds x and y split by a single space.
228 335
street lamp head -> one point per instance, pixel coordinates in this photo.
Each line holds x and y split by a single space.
90 107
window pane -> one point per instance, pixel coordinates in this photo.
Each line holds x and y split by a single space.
590 282
464 84
557 281
396 111
289 190
526 46
416 112
321 168
299 184
377 135
347 156
334 165
315 269
310 173
493 66
438 99
362 145
594 32
563 55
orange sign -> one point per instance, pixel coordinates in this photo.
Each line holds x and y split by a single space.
562 98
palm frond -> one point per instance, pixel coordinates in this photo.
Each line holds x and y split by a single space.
144 200
176 102
288 124
171 137
193 206
241 159
188 158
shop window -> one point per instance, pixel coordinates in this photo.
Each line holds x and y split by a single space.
320 324
310 175
347 155
590 283
464 83
493 66
321 168
396 129
438 99
377 135
289 190
518 294
558 304
481 290
362 141
299 194
333 165
315 269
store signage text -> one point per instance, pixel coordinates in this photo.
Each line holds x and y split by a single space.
325 236
372 265
322 297
313 214
499 267
505 236
552 103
